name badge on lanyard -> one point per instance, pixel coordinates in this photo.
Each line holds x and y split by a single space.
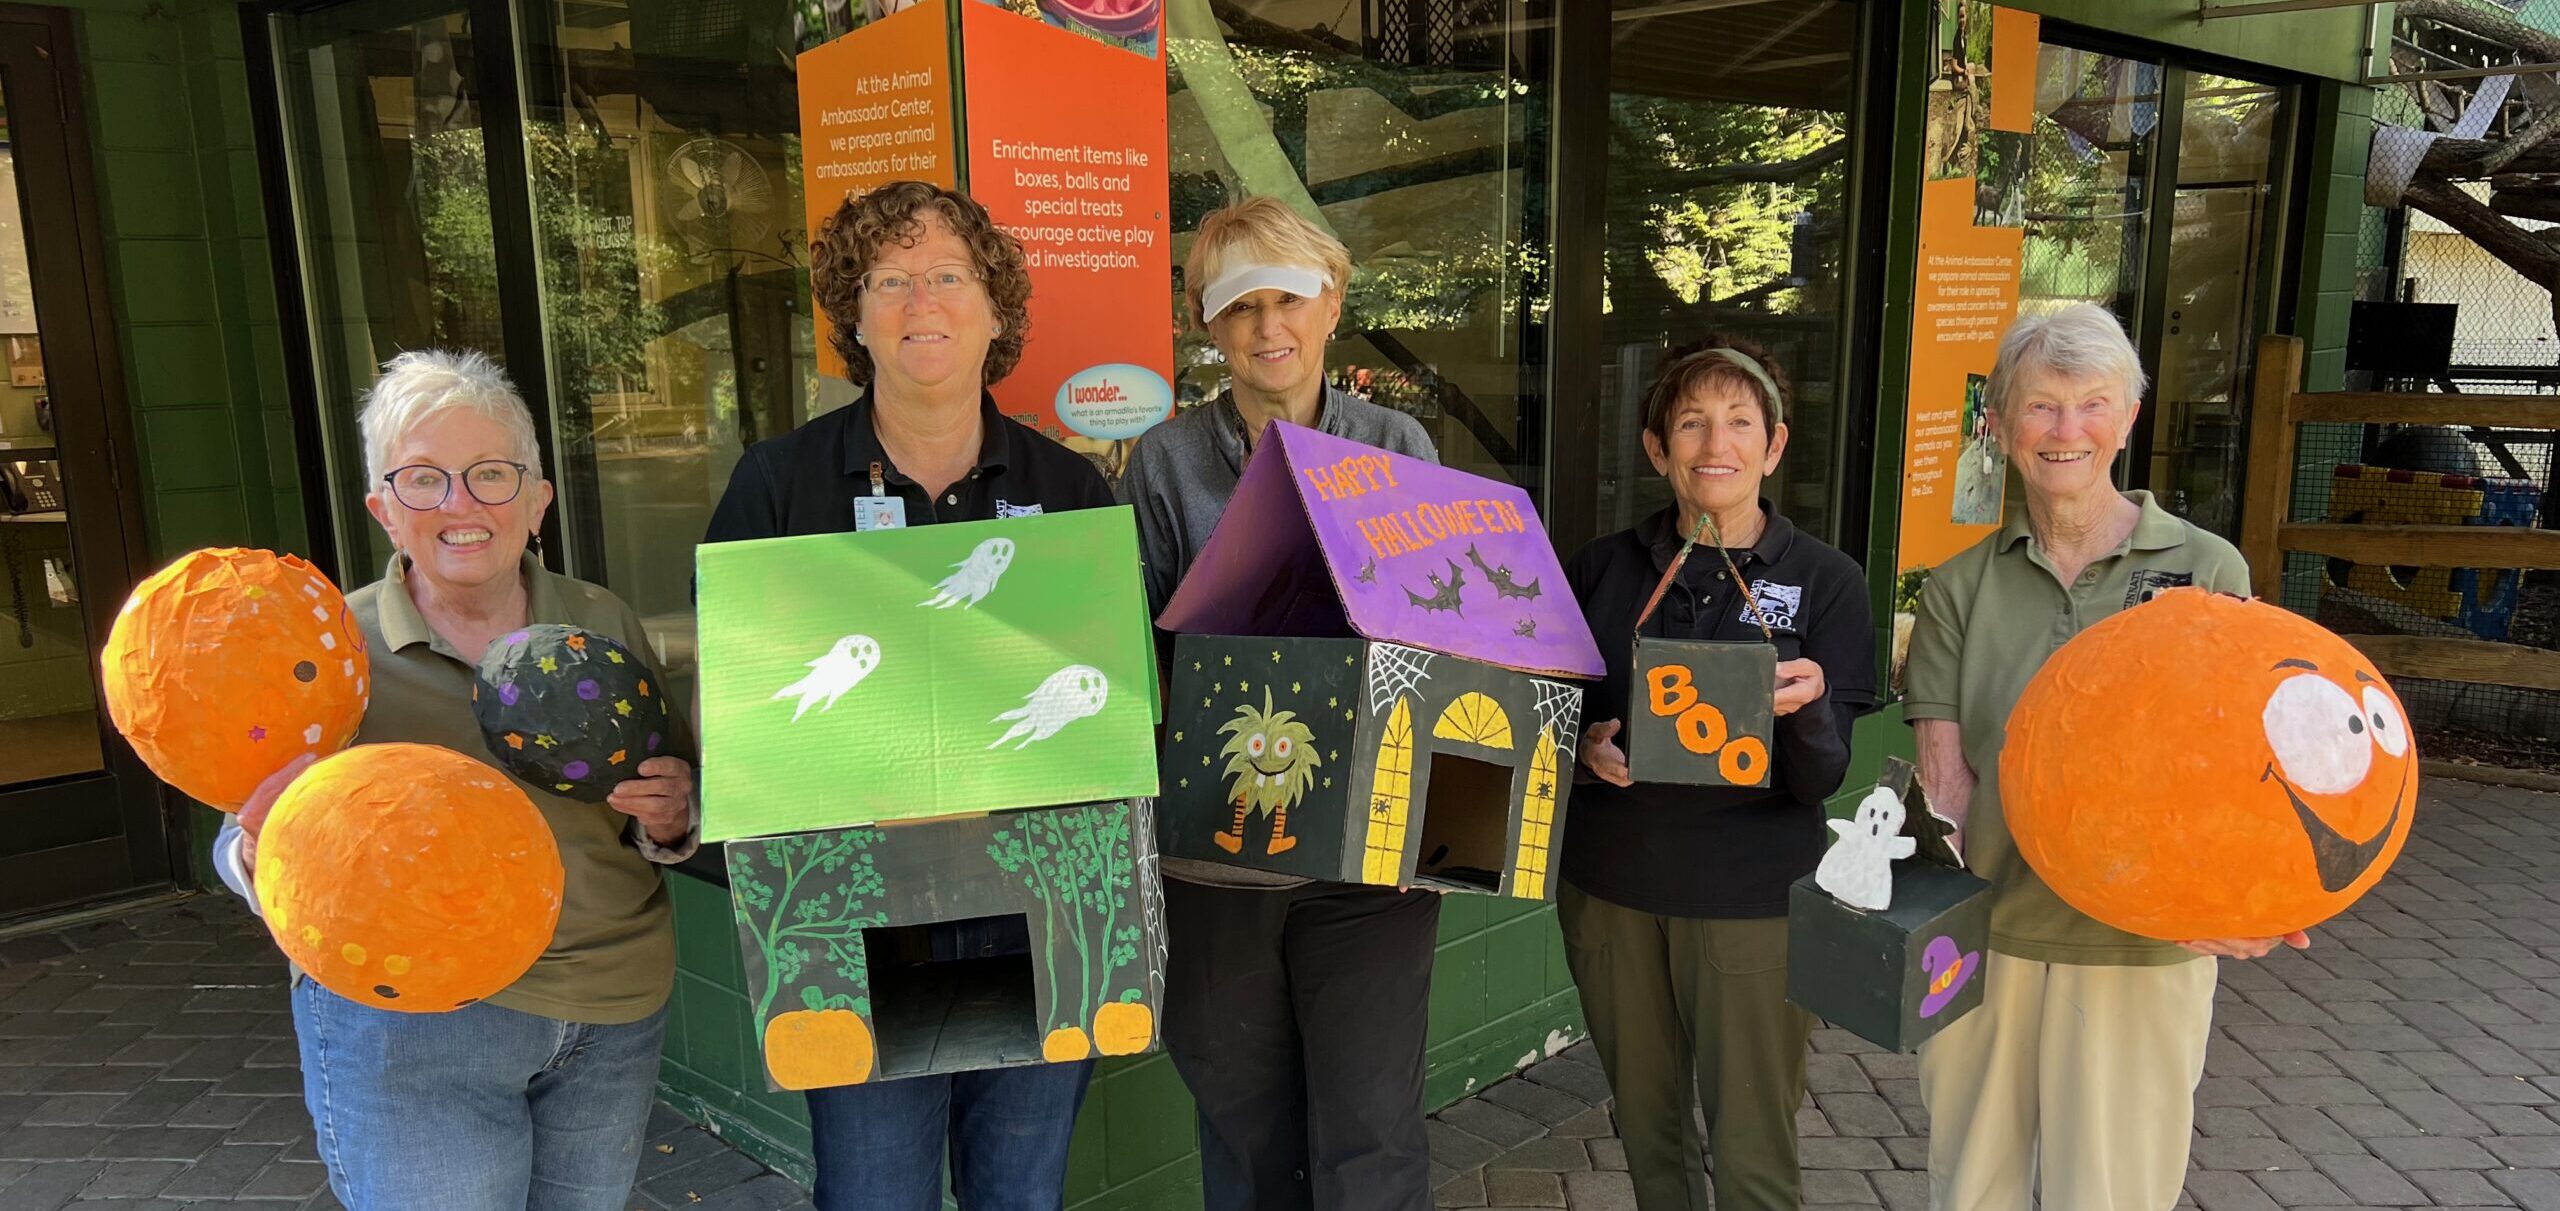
879 511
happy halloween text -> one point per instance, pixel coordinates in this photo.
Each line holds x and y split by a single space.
1405 531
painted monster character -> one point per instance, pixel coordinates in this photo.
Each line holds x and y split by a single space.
1272 758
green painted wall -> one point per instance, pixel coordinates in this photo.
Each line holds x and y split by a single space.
168 100
2328 43
193 291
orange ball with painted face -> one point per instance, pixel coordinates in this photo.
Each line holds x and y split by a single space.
229 663
2203 766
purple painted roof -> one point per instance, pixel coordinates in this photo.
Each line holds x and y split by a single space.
1327 536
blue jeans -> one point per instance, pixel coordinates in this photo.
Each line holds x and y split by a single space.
879 1147
479 1109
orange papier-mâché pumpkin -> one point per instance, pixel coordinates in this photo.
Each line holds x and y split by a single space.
229 663
408 877
2203 766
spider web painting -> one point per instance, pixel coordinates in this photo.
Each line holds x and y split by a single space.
1559 712
1394 671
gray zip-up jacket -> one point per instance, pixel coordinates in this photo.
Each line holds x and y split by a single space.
1179 479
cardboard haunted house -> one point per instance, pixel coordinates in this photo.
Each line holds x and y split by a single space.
1366 679
992 682
1886 938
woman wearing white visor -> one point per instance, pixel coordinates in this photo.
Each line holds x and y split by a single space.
1295 1010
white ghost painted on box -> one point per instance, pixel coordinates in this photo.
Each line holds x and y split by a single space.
1858 868
973 578
842 668
1074 692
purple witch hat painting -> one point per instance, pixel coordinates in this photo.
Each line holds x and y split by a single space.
1948 973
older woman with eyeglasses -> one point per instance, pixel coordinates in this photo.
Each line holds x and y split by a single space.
539 1096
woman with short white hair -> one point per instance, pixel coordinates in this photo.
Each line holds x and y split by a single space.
2075 1080
539 1096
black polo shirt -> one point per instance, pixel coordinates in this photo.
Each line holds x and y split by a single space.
1687 851
805 481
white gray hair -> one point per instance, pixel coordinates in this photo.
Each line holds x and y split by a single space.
2081 341
423 382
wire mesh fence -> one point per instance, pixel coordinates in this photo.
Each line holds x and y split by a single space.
2439 475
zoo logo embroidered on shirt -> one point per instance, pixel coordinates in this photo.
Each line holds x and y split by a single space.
1005 509
1778 603
2148 583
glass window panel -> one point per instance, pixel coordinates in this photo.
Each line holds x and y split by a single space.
661 143
48 698
391 206
1416 130
2088 179
2224 221
1726 201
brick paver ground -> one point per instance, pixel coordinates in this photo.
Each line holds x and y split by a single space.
148 1062
2410 1059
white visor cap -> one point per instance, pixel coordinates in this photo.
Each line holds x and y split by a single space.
1245 279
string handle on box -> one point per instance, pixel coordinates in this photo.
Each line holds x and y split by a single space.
1751 599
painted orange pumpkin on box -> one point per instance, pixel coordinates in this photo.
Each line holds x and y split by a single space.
408 877
229 663
2203 766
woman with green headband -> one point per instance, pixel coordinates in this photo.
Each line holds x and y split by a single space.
1674 898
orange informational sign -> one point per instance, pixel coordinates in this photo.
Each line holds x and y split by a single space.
1067 148
875 107
1981 115
1065 145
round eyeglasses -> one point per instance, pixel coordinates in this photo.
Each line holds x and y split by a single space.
940 281
424 486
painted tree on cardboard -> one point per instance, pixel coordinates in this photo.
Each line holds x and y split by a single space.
812 949
1075 861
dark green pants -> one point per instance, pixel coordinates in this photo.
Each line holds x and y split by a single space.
1684 1009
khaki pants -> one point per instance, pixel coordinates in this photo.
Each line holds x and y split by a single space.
1693 1013
2073 1083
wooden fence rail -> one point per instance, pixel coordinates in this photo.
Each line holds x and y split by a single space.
2267 531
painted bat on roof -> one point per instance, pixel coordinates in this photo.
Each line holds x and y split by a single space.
1500 578
1444 594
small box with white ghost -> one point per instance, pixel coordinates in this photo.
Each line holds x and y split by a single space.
1886 939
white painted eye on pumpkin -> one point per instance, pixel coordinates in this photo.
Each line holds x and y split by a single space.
1280 748
1254 745
2390 731
2318 732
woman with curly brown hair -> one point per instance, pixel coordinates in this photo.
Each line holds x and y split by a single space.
929 302
1674 900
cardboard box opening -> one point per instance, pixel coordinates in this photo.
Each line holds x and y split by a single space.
939 1014
1466 821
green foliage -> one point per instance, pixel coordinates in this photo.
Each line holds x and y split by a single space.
804 900
590 251
1075 861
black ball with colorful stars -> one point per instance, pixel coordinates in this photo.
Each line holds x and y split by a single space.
569 710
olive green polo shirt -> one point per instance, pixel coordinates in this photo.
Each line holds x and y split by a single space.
613 958
1988 618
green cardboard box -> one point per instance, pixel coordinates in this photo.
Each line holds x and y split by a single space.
1899 975
1701 713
